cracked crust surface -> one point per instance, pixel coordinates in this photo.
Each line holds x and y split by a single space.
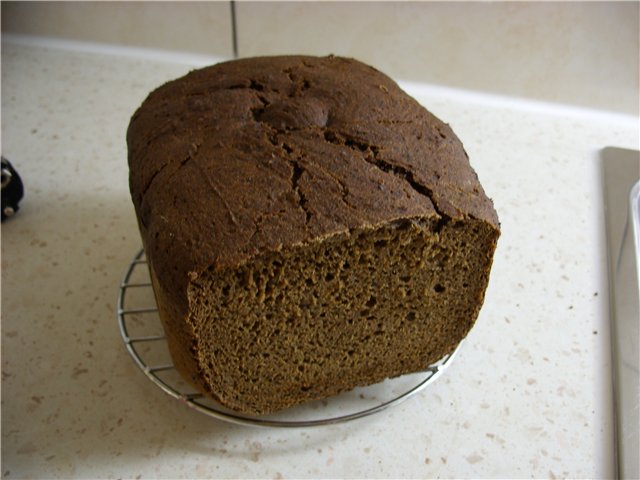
256 155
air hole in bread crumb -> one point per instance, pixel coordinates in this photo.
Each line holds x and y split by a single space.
371 302
410 316
438 288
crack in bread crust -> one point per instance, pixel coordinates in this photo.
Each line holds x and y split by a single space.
371 154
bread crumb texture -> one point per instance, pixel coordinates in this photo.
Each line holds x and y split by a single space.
309 228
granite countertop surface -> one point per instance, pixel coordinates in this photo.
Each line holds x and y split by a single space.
528 395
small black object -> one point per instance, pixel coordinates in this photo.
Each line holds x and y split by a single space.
12 190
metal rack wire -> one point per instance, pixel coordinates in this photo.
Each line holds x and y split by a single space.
136 278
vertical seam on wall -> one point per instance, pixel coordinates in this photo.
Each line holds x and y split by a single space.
234 31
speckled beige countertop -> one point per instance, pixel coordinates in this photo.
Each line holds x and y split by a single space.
528 395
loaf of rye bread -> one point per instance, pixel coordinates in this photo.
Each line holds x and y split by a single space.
309 228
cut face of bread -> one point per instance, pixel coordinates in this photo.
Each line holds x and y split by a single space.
309 228
350 310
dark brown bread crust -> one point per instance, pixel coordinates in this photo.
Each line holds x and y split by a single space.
262 155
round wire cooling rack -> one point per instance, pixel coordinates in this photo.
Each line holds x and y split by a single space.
144 339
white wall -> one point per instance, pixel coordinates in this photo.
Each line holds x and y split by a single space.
580 53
